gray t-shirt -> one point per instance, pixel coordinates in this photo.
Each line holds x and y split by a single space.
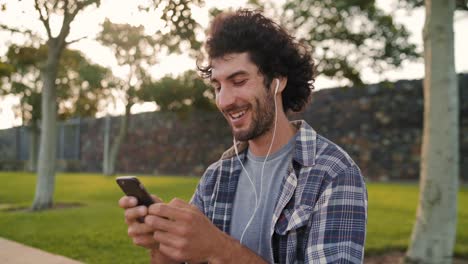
257 236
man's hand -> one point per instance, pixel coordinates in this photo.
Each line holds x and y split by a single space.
186 234
141 233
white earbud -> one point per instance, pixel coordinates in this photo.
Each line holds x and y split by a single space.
277 85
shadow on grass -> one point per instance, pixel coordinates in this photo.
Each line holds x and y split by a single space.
397 257
56 206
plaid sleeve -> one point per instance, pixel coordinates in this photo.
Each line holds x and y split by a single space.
196 199
338 224
205 188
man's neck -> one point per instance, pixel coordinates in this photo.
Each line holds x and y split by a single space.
284 132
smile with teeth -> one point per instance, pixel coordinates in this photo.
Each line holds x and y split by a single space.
237 115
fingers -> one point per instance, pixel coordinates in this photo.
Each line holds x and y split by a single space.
167 211
132 214
176 209
179 203
172 253
137 229
146 241
128 202
141 234
176 202
168 239
156 199
164 224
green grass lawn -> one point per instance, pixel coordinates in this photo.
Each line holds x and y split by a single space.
96 233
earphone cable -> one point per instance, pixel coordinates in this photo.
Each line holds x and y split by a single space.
258 199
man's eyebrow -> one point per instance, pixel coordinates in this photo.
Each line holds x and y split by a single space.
232 75
237 73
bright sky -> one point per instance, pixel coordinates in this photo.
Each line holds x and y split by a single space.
124 11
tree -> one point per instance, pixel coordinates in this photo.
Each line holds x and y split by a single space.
78 88
25 82
347 36
43 198
434 232
66 11
133 47
182 94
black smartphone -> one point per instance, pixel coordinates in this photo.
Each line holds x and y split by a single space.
131 186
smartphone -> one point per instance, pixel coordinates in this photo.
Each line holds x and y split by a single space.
131 186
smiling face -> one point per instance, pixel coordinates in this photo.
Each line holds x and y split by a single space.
241 96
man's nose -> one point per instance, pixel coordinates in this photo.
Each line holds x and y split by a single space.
225 98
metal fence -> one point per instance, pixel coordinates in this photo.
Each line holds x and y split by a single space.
15 142
68 145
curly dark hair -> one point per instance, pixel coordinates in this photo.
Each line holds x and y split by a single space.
270 47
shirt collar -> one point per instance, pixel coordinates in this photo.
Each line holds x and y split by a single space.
304 149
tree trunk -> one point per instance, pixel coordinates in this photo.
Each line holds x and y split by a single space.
433 237
105 156
114 151
43 198
34 133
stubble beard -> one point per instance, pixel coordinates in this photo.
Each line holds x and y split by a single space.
263 114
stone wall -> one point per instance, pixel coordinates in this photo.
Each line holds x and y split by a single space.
159 143
379 126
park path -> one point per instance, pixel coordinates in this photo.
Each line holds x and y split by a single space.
15 253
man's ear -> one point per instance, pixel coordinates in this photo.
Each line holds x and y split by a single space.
278 84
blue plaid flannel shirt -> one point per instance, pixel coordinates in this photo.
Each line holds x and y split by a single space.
321 212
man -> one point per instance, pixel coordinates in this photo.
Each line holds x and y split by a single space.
283 193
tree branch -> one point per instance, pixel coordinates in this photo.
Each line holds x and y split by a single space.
45 20
75 40
66 21
65 29
68 16
28 32
16 30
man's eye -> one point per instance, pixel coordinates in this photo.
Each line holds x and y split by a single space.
239 83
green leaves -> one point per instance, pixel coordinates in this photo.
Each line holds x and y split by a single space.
5 70
79 82
349 36
132 46
182 94
129 44
23 57
178 18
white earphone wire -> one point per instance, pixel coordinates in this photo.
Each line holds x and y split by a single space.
257 199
